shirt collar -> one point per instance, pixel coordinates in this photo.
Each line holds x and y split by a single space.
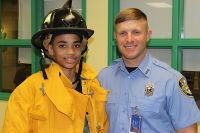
122 66
144 66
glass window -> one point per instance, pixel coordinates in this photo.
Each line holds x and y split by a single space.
161 54
16 19
159 15
191 60
14 68
191 21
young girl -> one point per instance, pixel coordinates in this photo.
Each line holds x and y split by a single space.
65 97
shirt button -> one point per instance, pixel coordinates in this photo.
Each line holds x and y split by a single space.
83 82
129 77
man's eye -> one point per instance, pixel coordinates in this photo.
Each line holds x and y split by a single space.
137 32
122 33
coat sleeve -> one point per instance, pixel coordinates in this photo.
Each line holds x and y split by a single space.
100 97
105 125
19 104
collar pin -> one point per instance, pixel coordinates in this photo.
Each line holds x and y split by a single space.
42 89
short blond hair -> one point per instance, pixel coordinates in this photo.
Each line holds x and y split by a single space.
130 14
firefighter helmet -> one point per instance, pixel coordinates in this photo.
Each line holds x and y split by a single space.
65 20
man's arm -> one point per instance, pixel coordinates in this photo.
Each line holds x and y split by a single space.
189 129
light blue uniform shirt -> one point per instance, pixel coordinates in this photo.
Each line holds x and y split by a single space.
163 112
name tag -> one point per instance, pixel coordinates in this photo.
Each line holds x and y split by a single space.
135 124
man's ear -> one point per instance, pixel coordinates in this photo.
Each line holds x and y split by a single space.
149 33
50 49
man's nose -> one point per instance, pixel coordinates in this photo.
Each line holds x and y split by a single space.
129 37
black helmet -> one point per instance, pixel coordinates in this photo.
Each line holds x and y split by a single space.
64 20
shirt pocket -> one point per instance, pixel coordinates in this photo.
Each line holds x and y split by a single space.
111 103
145 106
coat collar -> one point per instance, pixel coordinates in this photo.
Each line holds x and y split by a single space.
62 99
88 72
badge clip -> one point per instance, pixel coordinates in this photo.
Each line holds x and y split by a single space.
135 110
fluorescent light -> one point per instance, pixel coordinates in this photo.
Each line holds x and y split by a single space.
159 4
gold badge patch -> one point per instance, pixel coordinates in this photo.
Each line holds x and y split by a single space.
184 87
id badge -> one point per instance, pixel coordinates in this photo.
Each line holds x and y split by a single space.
135 124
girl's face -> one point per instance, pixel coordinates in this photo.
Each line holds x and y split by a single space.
66 49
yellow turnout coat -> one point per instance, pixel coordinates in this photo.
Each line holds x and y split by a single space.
52 106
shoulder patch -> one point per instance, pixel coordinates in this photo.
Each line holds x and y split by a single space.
184 87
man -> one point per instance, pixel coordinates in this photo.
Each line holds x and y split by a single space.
65 96
146 95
